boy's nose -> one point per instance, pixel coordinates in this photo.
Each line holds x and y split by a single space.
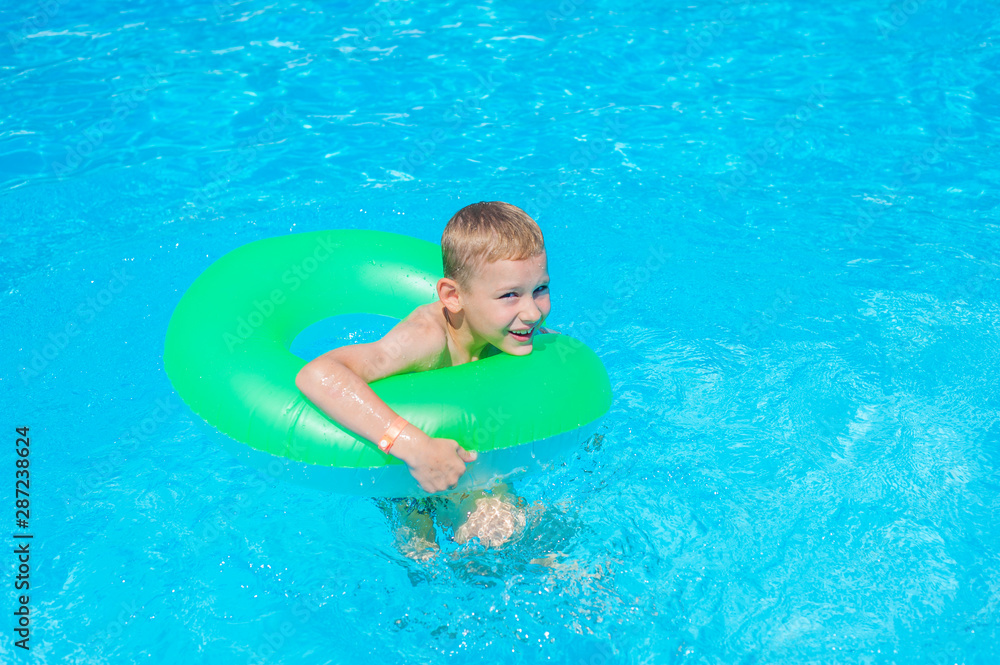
531 314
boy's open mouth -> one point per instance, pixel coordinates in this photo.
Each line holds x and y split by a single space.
522 335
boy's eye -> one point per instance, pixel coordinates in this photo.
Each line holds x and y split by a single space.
515 294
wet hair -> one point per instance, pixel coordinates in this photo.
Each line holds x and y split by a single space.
485 232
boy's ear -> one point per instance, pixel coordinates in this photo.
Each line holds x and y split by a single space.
449 295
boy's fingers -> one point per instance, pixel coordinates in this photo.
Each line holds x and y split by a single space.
467 455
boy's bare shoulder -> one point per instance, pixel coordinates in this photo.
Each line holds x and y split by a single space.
427 318
422 336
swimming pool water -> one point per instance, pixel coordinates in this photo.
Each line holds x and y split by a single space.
776 222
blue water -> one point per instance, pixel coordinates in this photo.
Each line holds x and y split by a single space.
776 222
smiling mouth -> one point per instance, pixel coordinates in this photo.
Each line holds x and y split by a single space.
522 335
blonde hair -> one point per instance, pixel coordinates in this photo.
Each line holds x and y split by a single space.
485 232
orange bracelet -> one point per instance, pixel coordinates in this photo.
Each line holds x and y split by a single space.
389 438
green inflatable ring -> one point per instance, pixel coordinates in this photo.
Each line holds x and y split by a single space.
227 355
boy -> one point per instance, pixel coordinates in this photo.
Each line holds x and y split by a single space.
493 298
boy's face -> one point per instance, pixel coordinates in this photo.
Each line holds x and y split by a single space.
506 302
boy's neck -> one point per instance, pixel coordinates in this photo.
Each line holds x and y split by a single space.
465 346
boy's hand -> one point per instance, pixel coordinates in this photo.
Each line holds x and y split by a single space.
436 464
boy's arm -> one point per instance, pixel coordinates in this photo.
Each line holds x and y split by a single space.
337 383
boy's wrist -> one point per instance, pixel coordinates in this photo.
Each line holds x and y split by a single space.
408 442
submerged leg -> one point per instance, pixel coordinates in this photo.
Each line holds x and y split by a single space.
414 526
